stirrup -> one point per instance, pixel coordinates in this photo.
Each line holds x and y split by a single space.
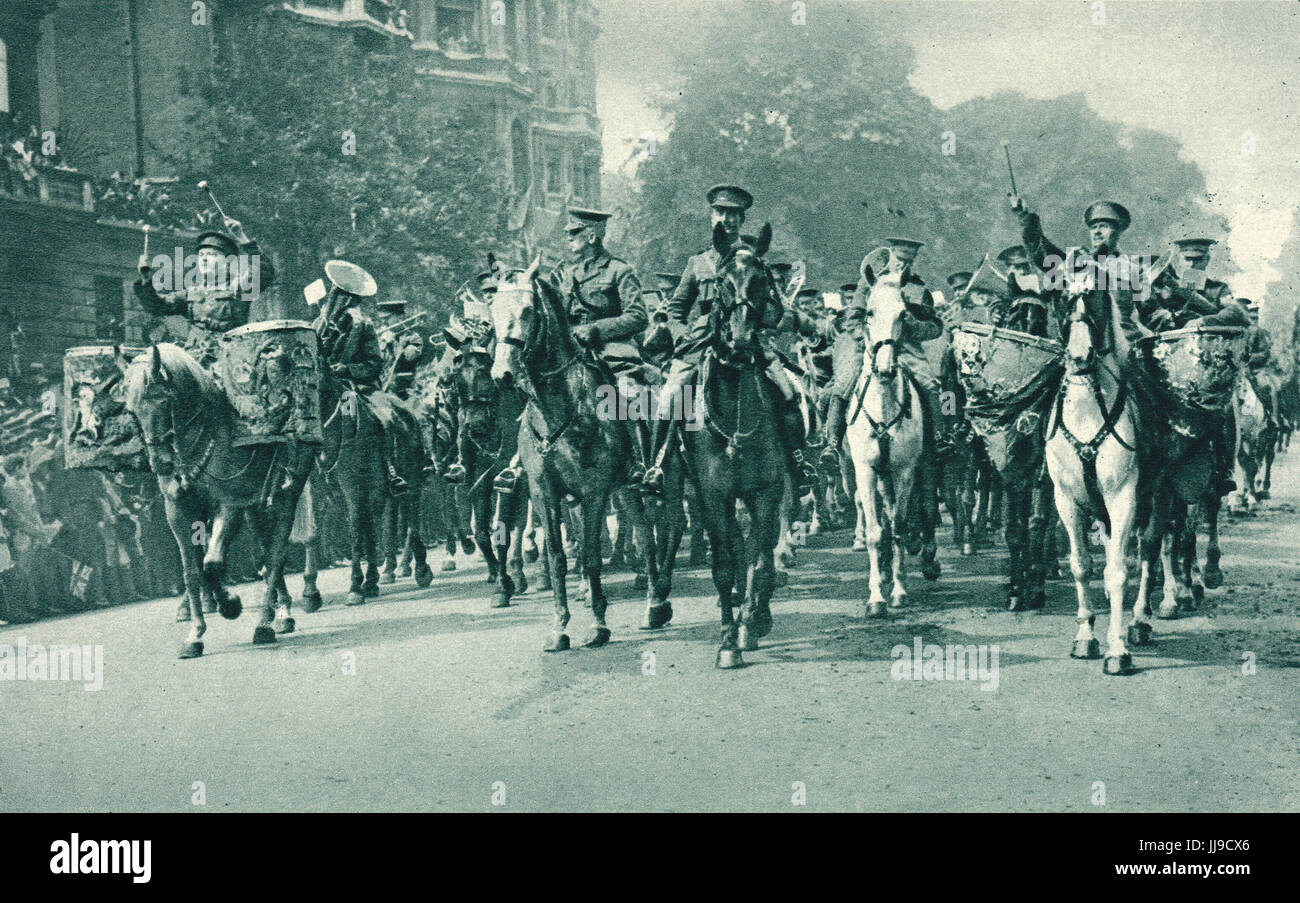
652 483
831 454
455 473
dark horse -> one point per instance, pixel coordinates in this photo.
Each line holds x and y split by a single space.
353 456
199 470
566 447
736 455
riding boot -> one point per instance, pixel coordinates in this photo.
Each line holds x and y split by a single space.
653 481
508 478
802 472
833 430
396 485
638 436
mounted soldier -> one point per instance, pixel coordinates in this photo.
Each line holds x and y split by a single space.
230 273
350 349
400 347
692 305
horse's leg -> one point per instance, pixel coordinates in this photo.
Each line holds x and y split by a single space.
181 516
1020 499
1151 536
1075 520
419 553
552 507
718 509
1212 575
671 524
760 568
784 551
1122 508
373 540
312 554
593 527
1041 518
498 537
1179 561
531 552
388 541
515 517
225 525
869 516
906 491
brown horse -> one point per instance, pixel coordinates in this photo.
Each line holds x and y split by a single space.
567 448
189 426
736 455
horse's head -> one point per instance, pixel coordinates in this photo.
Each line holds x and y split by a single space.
746 287
883 325
155 385
476 389
514 318
1080 346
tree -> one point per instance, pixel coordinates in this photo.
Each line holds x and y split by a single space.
324 144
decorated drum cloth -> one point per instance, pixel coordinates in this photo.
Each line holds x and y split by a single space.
1198 365
271 373
998 366
98 430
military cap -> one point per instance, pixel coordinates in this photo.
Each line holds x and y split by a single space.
1013 255
1194 247
958 281
808 292
1250 305
350 278
580 219
730 197
392 306
1107 210
782 267
908 243
487 281
219 240
848 288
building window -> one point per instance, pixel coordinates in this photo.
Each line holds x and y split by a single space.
456 26
553 171
110 309
519 156
4 77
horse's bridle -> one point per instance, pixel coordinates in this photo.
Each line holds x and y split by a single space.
169 441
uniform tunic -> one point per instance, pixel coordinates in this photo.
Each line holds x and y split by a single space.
604 293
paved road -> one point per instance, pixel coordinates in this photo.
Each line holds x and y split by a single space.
452 706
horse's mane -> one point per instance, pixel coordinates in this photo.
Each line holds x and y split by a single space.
555 314
178 363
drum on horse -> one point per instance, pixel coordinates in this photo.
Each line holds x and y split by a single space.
1093 461
567 449
1196 368
353 456
735 451
189 428
885 430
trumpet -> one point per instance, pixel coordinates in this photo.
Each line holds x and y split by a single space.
404 326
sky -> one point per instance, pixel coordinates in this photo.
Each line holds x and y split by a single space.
1223 78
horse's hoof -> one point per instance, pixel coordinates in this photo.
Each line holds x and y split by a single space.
640 582
183 612
192 650
404 571
449 564
356 598
897 602
1036 600
782 578
423 576
657 616
231 607
467 545
210 606
285 625
761 622
262 634
500 600
859 545
312 601
559 642
1119 665
913 545
1085 649
1139 634
1015 603
931 570
1212 578
1198 594
1263 495
785 560
745 639
967 549
370 591
388 579
598 637
875 609
520 583
729 659
1167 612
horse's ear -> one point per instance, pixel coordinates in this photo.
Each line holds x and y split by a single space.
155 363
492 263
720 243
533 267
764 239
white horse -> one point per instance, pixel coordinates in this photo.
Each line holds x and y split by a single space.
884 432
1251 428
1092 459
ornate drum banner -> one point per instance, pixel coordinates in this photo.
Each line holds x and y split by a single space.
271 373
1001 366
98 431
1198 365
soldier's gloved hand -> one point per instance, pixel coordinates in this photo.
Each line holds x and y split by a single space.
144 264
236 230
1017 204
587 335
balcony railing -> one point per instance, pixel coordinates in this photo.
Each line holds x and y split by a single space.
59 187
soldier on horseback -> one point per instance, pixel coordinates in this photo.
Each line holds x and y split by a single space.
218 301
350 348
400 347
691 305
